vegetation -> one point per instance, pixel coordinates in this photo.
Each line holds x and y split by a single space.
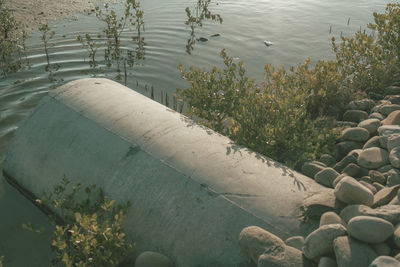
284 117
12 42
89 231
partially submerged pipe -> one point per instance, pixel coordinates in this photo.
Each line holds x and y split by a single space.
192 190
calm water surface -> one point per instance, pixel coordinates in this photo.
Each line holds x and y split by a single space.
297 28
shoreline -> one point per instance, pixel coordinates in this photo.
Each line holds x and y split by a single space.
32 13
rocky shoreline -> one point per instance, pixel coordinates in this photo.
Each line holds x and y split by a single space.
363 171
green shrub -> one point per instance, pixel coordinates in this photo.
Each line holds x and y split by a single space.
89 231
270 118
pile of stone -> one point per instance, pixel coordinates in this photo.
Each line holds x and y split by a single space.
364 173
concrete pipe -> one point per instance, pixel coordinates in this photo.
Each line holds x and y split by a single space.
192 190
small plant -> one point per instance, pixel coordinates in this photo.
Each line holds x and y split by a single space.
12 42
92 46
88 226
195 19
52 69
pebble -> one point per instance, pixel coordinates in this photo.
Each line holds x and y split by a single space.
295 242
311 168
385 195
386 109
350 191
369 186
352 170
390 213
370 229
326 177
357 134
394 157
377 177
355 115
392 119
290 257
350 252
385 261
392 177
371 125
319 243
376 115
393 141
328 160
372 142
341 165
365 104
330 217
327 262
372 158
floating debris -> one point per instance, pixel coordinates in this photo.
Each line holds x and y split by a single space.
215 35
202 39
268 43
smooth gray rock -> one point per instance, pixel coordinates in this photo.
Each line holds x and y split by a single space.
394 99
330 217
390 213
387 130
357 134
392 119
392 177
372 158
149 258
311 168
255 241
372 142
355 115
295 242
376 115
353 170
394 157
385 168
290 257
339 178
396 235
369 186
377 177
385 195
341 149
378 186
365 104
382 249
370 229
327 262
385 261
319 243
328 160
326 177
350 191
371 125
393 141
339 167
386 109
350 252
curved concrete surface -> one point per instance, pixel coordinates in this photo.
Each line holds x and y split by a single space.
192 190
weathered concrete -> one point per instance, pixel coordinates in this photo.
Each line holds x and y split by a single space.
192 190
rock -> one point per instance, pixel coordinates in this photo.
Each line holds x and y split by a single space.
345 124
393 141
255 241
383 141
385 168
327 262
392 119
396 235
385 195
394 157
378 186
371 125
372 142
387 130
330 217
356 134
352 170
389 213
386 109
382 249
397 257
376 115
372 158
326 177
319 243
149 258
290 257
394 99
355 152
295 242
312 168
369 186
385 261
365 104
339 167
366 179
392 90
395 201
343 148
328 160
377 177
352 253
392 177
350 191
355 115
338 179
370 229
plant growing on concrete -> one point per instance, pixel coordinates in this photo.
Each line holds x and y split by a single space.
12 42
270 118
88 226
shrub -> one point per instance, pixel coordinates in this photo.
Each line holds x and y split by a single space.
89 231
270 118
